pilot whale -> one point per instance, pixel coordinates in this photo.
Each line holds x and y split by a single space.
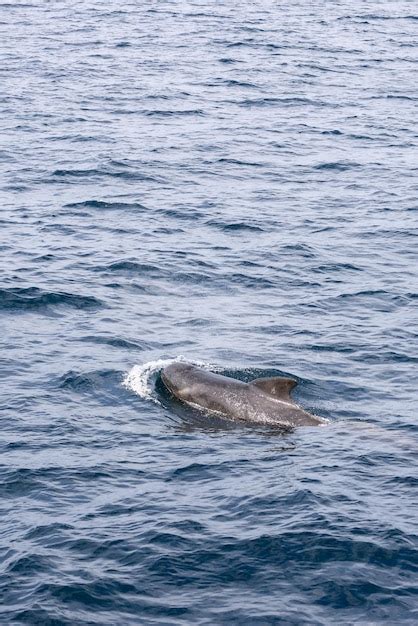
263 400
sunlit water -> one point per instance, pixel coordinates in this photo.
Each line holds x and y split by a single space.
233 184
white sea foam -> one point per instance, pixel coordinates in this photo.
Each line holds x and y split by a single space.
141 378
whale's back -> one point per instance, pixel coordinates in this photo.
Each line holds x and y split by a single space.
264 400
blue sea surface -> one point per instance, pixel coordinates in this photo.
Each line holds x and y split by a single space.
233 184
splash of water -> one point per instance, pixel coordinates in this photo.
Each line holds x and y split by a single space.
141 378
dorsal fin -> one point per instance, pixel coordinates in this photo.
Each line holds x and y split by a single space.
276 386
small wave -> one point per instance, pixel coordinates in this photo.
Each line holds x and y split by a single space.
230 161
332 132
33 298
117 342
234 226
129 267
163 113
78 173
239 83
87 380
336 267
100 173
339 166
105 206
239 44
262 102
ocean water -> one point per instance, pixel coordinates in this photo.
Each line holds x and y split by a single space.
233 184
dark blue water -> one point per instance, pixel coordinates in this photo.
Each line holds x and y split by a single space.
234 184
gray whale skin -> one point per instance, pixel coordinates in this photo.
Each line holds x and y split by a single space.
263 401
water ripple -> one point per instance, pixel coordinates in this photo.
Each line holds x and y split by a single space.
35 299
